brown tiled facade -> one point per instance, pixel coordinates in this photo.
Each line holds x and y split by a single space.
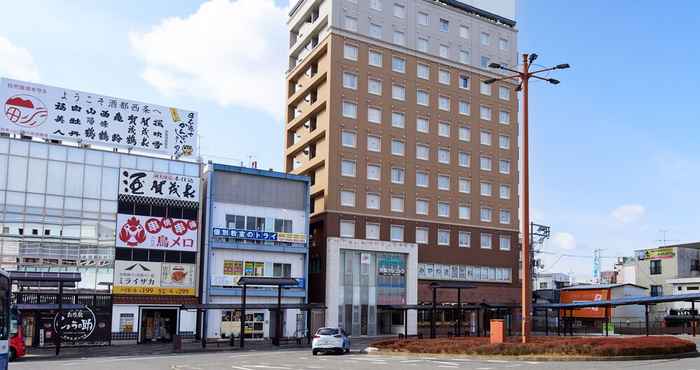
322 91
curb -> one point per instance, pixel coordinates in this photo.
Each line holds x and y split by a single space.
375 351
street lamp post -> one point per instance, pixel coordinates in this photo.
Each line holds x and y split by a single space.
524 77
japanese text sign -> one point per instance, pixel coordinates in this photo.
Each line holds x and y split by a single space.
148 232
153 278
270 236
56 113
158 185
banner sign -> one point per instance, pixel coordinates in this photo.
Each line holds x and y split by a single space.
153 278
61 114
75 325
391 265
655 254
147 232
269 236
158 185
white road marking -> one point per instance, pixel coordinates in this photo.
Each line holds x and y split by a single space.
240 367
410 361
446 363
269 367
514 365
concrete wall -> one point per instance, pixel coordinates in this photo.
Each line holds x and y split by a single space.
632 312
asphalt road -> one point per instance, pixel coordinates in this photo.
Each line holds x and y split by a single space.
302 359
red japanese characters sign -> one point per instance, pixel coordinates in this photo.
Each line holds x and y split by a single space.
148 232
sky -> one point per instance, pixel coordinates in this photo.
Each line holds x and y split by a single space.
614 148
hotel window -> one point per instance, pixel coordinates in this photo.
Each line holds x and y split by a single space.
505 217
504 117
464 107
485 163
465 185
350 23
347 168
443 237
503 93
374 143
444 103
485 113
399 11
398 92
350 52
398 119
443 182
398 175
444 129
374 172
504 142
422 179
398 64
347 229
503 44
444 25
422 152
422 97
423 71
464 32
398 147
396 233
372 231
421 235
486 189
423 18
443 209
464 159
444 51
504 166
486 138
486 240
373 201
348 139
485 61
376 5
375 58
374 114
444 76
347 198
485 39
349 80
374 86
464 82
465 133
422 125
485 88
504 192
422 44
375 31
397 204
422 207
486 214
464 212
399 38
349 110
444 155
465 239
465 57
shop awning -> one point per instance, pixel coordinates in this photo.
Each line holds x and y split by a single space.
639 300
268 281
37 276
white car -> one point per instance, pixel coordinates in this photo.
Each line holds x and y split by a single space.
330 340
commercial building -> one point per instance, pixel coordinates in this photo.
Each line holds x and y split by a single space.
256 226
408 152
552 280
71 200
595 316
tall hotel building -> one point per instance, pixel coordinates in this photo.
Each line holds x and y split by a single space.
413 160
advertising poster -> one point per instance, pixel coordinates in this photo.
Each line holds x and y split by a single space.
148 232
158 185
177 275
146 278
70 115
250 269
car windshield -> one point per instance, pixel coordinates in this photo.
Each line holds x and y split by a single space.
328 331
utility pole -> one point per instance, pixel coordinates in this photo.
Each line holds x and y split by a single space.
524 77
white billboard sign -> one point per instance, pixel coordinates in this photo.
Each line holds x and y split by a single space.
62 114
177 275
148 232
158 185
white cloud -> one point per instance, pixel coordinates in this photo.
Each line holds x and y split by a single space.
628 213
232 52
17 62
563 240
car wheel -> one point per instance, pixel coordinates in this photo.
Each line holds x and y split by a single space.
314 352
13 355
347 350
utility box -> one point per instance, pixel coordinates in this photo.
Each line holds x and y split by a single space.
498 331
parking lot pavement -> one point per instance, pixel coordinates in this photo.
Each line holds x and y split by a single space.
303 359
